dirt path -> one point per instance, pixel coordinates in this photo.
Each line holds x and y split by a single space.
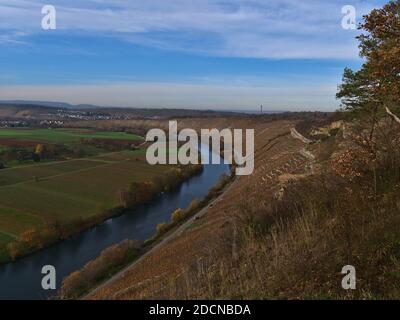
295 134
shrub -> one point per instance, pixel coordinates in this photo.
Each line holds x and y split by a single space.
216 189
144 191
109 262
178 215
162 228
193 206
4 256
15 250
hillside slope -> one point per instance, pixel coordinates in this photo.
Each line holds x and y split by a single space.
287 231
164 269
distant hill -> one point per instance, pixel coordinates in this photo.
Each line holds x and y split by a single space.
64 105
46 109
53 104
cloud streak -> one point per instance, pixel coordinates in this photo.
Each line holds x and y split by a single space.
278 29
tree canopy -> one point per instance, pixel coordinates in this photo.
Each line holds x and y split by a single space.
377 83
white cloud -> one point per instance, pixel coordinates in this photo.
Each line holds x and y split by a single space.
251 28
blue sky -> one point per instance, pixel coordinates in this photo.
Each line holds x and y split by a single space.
286 54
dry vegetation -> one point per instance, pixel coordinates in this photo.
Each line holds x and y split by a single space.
155 275
287 231
109 261
295 246
118 256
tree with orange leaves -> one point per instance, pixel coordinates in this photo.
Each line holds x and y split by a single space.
376 86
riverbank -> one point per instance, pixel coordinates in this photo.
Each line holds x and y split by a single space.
138 193
164 272
22 279
77 285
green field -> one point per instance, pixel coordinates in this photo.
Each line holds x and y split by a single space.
17 145
43 170
62 136
5 238
33 194
80 188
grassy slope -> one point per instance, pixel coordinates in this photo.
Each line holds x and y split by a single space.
255 244
156 275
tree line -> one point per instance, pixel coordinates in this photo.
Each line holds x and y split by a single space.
55 230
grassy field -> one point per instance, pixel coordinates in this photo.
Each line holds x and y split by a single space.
68 193
67 190
62 136
41 171
5 238
81 188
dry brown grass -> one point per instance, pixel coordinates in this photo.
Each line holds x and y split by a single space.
295 247
211 235
285 233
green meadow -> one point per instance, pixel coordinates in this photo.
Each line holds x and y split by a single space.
62 136
66 190
36 194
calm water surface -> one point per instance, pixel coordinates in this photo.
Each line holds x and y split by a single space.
22 279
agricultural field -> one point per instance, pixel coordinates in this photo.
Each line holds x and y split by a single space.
60 136
43 179
21 146
67 190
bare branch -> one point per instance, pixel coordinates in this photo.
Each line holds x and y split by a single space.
396 118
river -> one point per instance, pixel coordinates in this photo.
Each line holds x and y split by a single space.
22 279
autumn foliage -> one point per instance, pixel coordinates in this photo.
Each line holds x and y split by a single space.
105 265
143 191
376 86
